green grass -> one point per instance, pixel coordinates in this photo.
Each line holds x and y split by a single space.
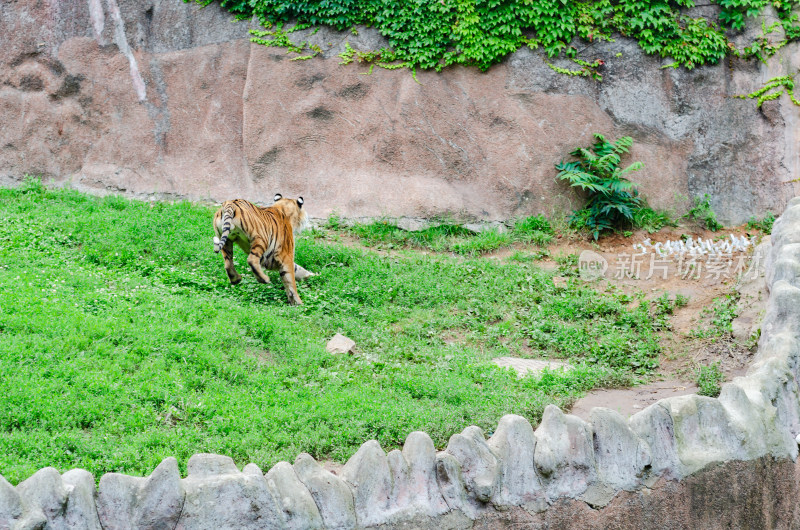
704 214
664 306
764 225
719 317
644 217
652 220
122 343
708 378
448 237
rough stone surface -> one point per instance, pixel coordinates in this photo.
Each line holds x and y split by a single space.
704 433
514 443
564 455
331 494
210 465
654 426
620 455
10 504
81 500
767 415
160 499
299 510
782 309
138 503
754 494
785 266
219 496
411 224
479 465
752 289
44 500
452 485
164 98
367 472
340 344
419 489
116 499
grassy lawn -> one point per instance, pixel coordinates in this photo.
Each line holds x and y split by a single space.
122 343
447 237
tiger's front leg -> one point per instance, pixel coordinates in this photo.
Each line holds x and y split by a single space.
230 268
287 277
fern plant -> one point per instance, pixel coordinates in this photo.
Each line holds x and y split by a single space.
612 199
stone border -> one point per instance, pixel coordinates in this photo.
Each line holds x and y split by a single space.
474 480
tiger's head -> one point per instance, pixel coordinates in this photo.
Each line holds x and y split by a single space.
292 209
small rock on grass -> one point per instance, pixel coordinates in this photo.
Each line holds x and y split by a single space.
340 344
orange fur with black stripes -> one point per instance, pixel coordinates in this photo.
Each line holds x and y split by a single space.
265 234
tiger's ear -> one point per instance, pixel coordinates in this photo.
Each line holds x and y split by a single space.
277 197
300 202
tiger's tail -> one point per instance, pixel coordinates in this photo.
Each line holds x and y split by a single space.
227 226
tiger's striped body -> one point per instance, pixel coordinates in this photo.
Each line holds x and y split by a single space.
266 235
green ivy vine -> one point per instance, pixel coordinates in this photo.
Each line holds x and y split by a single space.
773 89
434 34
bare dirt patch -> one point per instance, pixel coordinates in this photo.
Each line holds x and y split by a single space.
629 401
263 357
701 285
693 338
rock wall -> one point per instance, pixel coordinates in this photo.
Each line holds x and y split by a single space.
684 462
162 98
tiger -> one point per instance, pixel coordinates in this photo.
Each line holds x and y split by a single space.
266 235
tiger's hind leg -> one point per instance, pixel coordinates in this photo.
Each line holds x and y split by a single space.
254 260
230 268
287 277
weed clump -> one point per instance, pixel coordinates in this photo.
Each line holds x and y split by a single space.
704 214
535 229
452 237
764 225
708 378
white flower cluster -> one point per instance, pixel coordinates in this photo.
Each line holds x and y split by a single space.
700 247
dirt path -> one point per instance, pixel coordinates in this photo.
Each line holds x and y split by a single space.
629 401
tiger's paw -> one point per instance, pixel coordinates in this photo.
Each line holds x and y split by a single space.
236 281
